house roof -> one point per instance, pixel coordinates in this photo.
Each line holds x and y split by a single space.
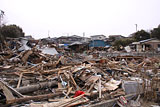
116 36
143 41
75 36
76 43
98 35
147 40
135 43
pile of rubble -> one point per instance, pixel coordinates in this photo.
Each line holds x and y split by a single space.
42 76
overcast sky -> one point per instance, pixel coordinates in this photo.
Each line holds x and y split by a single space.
94 17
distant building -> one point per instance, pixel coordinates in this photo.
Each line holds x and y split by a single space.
75 38
48 40
78 46
86 40
97 43
62 40
29 37
98 37
147 45
116 37
71 39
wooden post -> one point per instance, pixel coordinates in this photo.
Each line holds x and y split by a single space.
20 79
99 87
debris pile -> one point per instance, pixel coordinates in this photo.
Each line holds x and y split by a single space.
42 76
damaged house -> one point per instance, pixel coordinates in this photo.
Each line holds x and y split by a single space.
98 41
152 44
78 46
69 39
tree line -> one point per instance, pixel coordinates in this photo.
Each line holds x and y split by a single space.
12 31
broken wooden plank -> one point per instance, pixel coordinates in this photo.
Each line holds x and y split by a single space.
34 98
26 55
74 82
59 60
132 70
56 70
57 101
12 89
91 87
8 94
20 79
69 90
81 101
66 103
100 87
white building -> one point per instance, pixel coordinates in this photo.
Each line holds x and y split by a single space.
98 37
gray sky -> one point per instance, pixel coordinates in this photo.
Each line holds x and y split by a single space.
62 17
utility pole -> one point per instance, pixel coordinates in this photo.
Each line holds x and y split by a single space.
83 34
84 37
136 27
48 34
0 19
1 16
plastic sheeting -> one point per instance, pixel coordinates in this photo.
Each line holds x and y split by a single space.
50 51
24 46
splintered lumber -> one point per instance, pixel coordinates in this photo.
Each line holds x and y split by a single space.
59 60
132 70
12 89
66 103
100 88
55 102
81 101
92 80
69 90
56 70
20 79
32 88
8 94
74 82
26 55
141 64
34 98
91 87
36 67
121 70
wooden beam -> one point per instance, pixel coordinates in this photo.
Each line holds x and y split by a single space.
32 88
56 70
69 90
12 89
20 79
34 98
8 94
